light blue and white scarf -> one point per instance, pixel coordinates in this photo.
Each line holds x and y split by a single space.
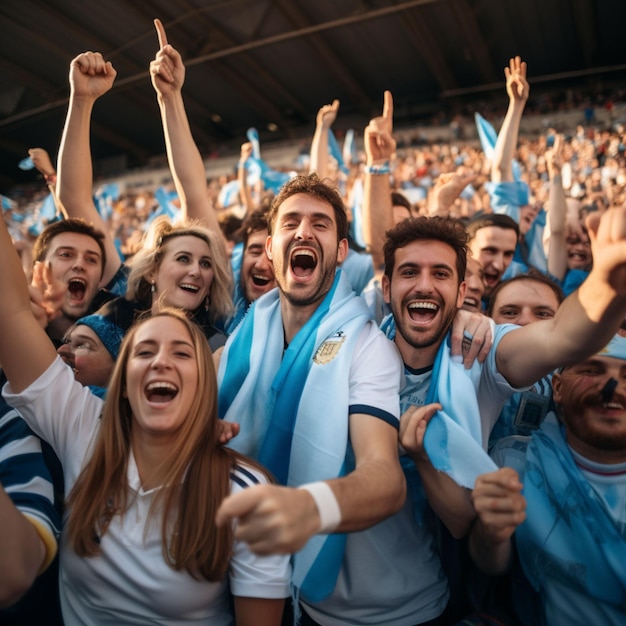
569 533
293 407
453 439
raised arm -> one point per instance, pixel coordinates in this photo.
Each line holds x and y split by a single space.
518 89
242 176
43 164
25 349
447 189
586 320
377 207
186 165
90 77
557 212
319 145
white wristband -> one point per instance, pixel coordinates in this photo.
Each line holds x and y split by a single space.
327 506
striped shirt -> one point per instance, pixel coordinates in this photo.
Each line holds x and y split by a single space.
26 479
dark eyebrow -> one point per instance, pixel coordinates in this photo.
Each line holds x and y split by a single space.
588 362
435 266
75 249
314 216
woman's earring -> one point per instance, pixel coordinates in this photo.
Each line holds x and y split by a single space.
152 287
206 304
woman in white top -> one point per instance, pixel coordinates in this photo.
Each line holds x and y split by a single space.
143 482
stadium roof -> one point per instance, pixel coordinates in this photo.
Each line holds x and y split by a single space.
272 63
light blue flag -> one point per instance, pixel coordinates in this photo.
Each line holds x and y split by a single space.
253 137
34 230
165 207
229 194
350 154
26 164
48 210
258 169
104 198
7 203
487 135
335 152
488 138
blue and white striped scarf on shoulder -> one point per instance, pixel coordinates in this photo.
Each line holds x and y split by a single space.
293 407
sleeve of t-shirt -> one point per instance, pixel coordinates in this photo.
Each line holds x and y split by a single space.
26 479
494 389
376 376
251 575
59 410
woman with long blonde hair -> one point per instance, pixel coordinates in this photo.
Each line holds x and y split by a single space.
181 265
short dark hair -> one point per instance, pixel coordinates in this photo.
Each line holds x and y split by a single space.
445 229
532 276
254 222
70 225
499 220
230 225
399 199
311 185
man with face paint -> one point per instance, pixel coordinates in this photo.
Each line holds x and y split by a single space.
569 527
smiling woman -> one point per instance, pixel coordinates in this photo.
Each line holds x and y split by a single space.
181 266
144 474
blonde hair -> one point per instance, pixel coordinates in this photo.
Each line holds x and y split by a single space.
148 258
197 468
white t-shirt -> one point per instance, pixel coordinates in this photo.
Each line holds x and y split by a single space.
130 582
392 574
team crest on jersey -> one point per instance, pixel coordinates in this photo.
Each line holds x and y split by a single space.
329 349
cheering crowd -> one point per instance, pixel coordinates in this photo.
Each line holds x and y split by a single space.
382 391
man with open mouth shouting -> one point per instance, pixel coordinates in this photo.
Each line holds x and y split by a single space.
314 385
75 254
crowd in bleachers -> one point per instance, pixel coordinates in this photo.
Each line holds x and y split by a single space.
382 384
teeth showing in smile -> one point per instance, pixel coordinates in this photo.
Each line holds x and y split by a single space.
424 305
191 288
260 281
422 310
613 405
303 262
161 391
470 302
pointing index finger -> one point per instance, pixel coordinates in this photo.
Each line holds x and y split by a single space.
160 33
388 107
